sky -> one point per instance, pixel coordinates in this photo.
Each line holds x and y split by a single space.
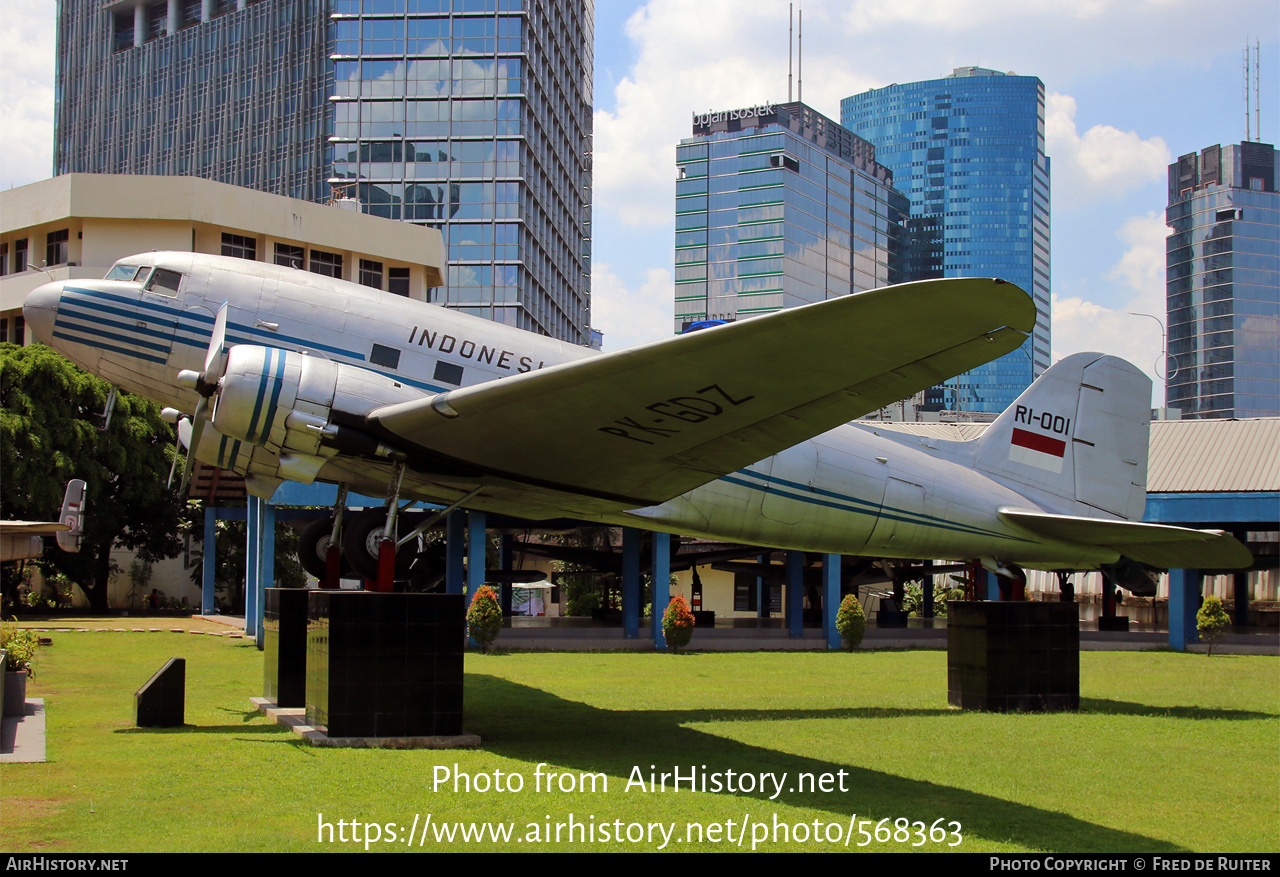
1131 85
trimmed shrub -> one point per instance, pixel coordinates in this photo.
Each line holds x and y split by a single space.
1212 621
851 622
677 623
484 618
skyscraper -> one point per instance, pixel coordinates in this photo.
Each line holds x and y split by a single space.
470 115
968 150
777 206
1223 282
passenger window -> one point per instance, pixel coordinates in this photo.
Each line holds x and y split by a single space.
164 281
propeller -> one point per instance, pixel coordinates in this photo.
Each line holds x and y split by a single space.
206 384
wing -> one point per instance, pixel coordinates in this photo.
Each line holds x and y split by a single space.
33 528
640 426
1158 545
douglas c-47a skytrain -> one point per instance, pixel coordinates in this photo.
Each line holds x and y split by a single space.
739 432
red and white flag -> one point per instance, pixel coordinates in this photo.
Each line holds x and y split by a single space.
1041 451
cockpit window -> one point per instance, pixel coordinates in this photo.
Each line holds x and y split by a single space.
127 272
164 281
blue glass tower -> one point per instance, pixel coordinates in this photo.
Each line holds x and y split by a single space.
473 116
968 150
777 206
1223 282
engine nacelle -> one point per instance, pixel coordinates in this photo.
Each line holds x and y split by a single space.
283 400
1137 578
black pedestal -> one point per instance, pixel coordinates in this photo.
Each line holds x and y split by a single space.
161 702
385 665
1114 623
1004 656
284 647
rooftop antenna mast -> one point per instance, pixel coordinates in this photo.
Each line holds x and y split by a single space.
791 39
800 59
1247 133
1257 88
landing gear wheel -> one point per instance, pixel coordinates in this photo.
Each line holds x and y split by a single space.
313 547
361 537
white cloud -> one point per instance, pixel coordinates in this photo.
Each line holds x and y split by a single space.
1103 162
1083 325
26 101
630 317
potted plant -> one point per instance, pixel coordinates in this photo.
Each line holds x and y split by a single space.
19 646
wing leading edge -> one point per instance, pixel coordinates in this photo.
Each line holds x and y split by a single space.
652 422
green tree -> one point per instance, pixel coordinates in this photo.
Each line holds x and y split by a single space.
851 622
1212 621
484 618
49 434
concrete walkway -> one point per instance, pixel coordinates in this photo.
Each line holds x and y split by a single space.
22 737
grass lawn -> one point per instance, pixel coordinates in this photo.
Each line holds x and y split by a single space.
1168 752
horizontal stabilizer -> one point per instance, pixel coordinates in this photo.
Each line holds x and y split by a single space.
1158 545
642 425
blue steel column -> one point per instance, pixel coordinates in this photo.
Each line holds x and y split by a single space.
661 590
795 593
1184 602
210 560
455 534
630 582
476 544
252 559
993 586
266 567
831 598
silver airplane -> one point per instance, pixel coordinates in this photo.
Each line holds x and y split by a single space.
739 432
23 540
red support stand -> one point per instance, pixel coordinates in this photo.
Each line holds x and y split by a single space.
386 566
332 568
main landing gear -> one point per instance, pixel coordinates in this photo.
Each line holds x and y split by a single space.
379 545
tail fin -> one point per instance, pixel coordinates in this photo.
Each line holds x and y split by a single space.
1079 432
72 515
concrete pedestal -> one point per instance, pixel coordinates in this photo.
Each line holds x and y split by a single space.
385 665
1004 656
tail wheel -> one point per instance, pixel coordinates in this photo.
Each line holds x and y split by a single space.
361 538
313 549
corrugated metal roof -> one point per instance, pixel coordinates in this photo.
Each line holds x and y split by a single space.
1214 455
1187 456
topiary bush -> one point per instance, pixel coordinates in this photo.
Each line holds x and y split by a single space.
677 623
484 618
851 622
1212 621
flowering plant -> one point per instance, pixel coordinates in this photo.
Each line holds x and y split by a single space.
484 618
677 623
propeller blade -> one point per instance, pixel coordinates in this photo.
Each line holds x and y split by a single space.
183 440
215 358
198 420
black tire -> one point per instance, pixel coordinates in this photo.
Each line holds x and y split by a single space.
360 537
313 545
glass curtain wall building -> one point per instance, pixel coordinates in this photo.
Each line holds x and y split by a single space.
473 116
777 206
1223 282
968 150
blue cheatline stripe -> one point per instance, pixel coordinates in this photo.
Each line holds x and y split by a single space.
91 309
99 320
253 332
92 342
850 504
142 305
262 392
75 326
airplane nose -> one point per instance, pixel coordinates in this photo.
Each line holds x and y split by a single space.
40 309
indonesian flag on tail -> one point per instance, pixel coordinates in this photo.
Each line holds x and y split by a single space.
1041 451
